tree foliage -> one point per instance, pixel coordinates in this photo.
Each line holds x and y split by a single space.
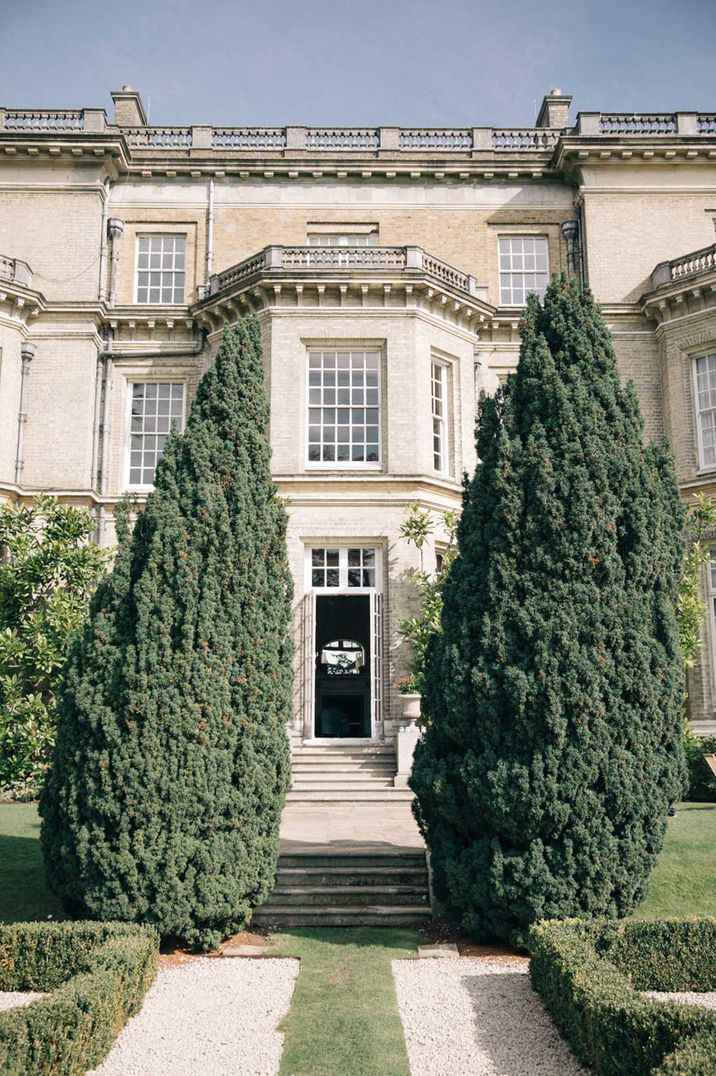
172 762
48 572
418 524
553 699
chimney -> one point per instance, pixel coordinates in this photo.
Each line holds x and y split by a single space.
128 108
555 110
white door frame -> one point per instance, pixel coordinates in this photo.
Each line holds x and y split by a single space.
376 628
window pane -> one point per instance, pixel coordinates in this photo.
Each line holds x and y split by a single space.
149 425
164 256
337 415
524 267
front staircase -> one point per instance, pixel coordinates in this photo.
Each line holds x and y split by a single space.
363 877
345 773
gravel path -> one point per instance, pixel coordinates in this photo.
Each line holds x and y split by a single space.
477 1017
17 1000
208 1018
704 1001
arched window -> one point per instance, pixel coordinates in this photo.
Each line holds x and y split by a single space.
342 657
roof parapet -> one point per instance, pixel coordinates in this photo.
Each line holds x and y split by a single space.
554 111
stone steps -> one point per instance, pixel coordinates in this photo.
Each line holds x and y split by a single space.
322 887
387 795
372 916
331 783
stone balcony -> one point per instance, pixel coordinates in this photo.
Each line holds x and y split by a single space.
684 285
305 277
14 271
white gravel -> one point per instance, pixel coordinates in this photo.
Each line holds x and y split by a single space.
211 1017
476 1017
704 1001
17 999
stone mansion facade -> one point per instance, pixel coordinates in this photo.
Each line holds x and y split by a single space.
388 268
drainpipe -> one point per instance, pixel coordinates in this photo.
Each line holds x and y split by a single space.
27 354
570 231
103 240
115 226
102 524
210 232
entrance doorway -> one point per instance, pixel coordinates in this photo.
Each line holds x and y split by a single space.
343 670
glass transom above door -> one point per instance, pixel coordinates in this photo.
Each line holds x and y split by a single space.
342 568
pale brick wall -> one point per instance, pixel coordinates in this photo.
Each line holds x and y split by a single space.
10 365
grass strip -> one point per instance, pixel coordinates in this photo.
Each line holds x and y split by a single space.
683 881
344 1018
24 892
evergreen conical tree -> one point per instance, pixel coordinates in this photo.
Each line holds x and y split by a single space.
554 695
172 762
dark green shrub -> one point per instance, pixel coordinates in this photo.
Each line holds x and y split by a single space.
665 954
553 740
96 976
701 781
609 1025
172 761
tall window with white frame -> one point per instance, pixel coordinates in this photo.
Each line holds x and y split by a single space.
705 368
711 580
524 268
156 408
344 408
161 268
439 393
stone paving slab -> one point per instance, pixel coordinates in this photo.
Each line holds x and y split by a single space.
350 827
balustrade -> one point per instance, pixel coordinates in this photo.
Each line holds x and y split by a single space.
44 119
248 138
646 123
699 261
435 138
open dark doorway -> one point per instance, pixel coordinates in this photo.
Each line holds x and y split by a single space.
343 666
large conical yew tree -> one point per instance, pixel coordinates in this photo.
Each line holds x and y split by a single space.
172 762
554 696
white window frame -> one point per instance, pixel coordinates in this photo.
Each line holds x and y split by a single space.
703 466
510 237
343 465
130 383
343 239
711 598
342 548
441 421
159 235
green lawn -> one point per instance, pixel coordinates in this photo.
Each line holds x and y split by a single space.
344 1019
684 879
23 890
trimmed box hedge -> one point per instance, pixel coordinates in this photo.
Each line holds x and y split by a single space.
95 976
590 977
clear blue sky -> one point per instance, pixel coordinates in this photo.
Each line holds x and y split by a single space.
427 62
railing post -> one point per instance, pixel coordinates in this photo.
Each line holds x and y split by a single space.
274 257
481 138
2 118
413 258
295 138
687 123
94 119
201 137
588 124
661 274
389 139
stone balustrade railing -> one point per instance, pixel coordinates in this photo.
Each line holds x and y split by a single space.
15 271
373 140
318 259
158 137
436 138
687 266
